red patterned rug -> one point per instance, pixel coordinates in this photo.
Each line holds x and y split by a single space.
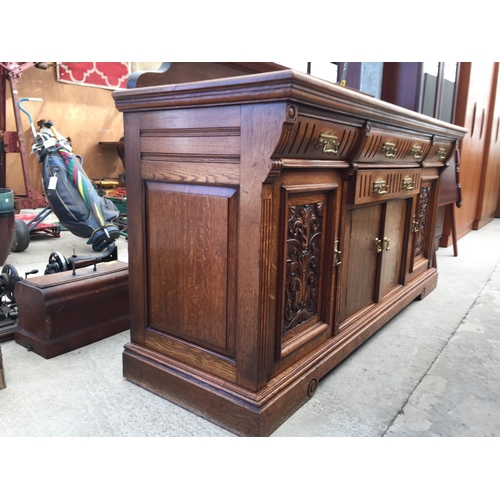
107 75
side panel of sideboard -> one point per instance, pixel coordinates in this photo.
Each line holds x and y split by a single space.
183 191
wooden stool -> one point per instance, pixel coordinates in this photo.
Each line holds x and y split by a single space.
450 195
2 378
450 213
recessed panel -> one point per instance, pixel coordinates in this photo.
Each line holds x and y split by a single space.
363 227
188 244
392 246
305 273
303 263
421 222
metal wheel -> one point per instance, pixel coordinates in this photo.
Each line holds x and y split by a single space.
57 262
10 277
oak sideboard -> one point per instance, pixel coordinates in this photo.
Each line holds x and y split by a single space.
276 221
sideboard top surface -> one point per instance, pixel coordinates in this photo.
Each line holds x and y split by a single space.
289 86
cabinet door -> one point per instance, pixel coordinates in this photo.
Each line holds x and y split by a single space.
373 251
307 266
421 246
392 246
360 259
307 262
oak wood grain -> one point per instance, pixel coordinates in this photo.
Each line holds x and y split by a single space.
189 242
255 271
490 172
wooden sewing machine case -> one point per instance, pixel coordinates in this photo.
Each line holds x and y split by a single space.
62 312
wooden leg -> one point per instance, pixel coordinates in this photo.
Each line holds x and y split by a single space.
2 378
451 209
434 261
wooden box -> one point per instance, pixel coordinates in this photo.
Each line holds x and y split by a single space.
62 312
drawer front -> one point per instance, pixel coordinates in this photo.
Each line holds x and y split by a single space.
440 152
315 139
389 147
319 139
379 185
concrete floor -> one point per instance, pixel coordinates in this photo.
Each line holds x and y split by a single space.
433 370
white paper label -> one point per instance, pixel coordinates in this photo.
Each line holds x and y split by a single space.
52 182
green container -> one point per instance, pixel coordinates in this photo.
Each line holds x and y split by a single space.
6 200
120 204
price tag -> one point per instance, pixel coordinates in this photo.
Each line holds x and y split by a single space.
52 182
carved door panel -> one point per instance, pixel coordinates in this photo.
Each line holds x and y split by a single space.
308 259
421 245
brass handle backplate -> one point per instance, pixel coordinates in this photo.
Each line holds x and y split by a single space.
415 225
379 244
441 152
327 141
380 187
408 183
416 151
337 260
389 149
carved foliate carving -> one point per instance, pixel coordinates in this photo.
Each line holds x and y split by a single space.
423 206
303 258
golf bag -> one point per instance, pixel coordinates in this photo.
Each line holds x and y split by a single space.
70 193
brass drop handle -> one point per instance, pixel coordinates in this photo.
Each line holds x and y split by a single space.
416 151
389 149
337 254
380 187
408 183
327 141
415 225
387 243
378 244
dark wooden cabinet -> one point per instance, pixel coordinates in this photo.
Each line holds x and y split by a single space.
479 181
276 221
490 173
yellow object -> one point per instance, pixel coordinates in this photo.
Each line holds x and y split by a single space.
106 183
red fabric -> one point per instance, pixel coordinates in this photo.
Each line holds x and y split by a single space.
109 75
